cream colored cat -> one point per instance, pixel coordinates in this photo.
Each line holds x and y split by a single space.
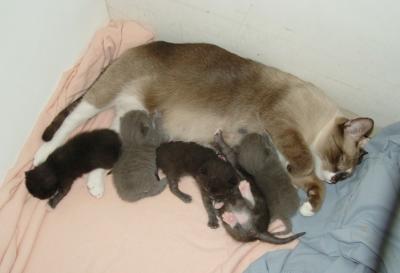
200 88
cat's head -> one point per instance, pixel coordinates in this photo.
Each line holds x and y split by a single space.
218 178
41 182
137 127
339 148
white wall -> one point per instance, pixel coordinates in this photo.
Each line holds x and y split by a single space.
351 49
39 40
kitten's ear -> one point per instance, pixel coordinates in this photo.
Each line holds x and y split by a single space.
144 128
358 128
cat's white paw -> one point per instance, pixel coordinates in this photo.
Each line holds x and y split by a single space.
95 183
306 209
43 152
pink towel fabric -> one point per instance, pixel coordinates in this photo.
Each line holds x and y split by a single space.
84 234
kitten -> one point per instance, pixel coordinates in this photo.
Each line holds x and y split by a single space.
135 171
177 159
245 215
257 155
201 87
79 155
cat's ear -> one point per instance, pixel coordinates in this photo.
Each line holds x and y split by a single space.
358 128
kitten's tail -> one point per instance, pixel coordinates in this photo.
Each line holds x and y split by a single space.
59 119
270 238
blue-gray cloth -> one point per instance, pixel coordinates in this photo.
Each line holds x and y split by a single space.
346 235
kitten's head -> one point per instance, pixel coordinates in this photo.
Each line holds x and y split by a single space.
138 128
339 149
218 178
41 182
256 152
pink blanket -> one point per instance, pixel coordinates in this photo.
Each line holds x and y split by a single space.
84 234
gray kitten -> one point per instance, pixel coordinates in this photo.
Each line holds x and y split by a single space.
135 172
257 155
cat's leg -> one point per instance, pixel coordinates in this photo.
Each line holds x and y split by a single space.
173 186
95 182
315 190
295 151
123 104
82 112
208 205
62 192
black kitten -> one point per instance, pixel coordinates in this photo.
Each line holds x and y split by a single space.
79 155
177 159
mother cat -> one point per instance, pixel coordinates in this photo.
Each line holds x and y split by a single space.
200 88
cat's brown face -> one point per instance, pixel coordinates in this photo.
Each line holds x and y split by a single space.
339 151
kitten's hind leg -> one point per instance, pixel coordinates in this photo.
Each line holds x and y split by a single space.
53 202
95 182
173 186
82 112
224 148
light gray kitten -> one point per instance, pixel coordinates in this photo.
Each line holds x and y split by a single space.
135 171
258 156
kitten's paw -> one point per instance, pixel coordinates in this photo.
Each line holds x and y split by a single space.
95 183
213 223
186 198
161 174
244 187
306 209
97 191
245 191
218 205
229 218
42 153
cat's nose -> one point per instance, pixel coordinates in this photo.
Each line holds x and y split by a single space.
339 176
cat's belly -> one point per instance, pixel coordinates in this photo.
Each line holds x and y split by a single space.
200 125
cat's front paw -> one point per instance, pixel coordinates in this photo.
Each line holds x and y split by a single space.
306 209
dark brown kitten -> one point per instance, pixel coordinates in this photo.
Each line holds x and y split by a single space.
177 159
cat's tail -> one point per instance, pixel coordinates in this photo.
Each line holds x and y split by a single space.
270 238
59 119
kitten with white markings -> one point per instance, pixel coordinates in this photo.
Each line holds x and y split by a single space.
135 171
52 179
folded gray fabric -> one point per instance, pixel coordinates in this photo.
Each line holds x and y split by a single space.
346 235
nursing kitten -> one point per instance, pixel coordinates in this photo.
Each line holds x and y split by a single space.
135 171
245 215
257 155
201 87
79 155
177 159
